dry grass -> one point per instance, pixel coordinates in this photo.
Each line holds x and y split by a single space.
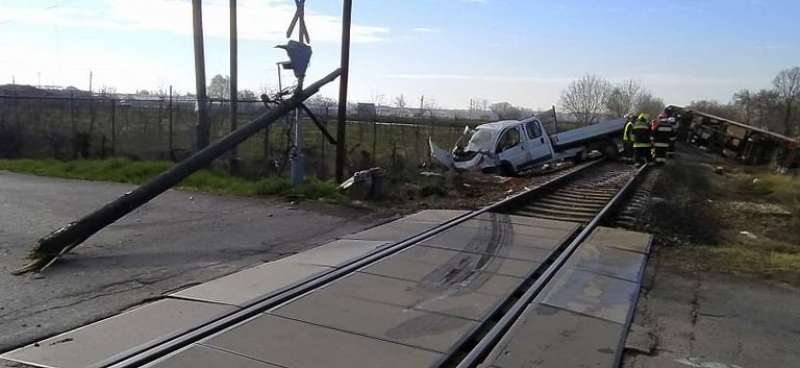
709 227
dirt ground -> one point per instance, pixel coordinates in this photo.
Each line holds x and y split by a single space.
722 288
440 189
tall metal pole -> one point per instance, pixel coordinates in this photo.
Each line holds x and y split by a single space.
343 79
203 129
234 159
298 159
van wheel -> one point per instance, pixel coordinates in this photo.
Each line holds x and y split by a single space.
506 169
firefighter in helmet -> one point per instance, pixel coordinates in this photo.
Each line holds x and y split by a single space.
627 136
641 139
662 132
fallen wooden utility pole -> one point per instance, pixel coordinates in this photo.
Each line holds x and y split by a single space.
48 249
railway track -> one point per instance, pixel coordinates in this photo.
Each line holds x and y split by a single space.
583 196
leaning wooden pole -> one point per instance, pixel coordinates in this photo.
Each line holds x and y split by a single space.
48 249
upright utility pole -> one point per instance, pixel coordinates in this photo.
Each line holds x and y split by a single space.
342 113
90 82
203 128
297 156
234 159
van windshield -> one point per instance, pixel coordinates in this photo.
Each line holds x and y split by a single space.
481 140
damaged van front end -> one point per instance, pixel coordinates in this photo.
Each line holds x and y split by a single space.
474 150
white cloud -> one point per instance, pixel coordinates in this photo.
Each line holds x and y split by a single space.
258 19
423 30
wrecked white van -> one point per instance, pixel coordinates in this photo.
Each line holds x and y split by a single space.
510 146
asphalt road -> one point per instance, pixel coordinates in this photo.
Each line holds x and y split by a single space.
179 239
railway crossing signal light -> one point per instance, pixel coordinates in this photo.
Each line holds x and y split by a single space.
299 57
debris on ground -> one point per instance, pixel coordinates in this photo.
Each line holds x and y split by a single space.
759 208
366 184
719 170
430 173
748 234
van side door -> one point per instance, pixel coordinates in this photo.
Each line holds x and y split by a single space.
538 143
511 147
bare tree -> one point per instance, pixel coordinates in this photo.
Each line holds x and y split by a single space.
787 84
400 104
586 98
506 111
622 97
378 100
646 103
219 87
247 94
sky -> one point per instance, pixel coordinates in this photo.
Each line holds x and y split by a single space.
450 51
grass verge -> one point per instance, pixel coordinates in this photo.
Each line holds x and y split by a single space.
759 261
137 172
727 222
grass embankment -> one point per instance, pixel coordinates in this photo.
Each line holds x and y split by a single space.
137 172
714 211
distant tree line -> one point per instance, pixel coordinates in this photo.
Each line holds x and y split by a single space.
776 108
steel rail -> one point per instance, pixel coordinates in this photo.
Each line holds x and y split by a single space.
493 336
160 347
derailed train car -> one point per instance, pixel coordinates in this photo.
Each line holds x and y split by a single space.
748 144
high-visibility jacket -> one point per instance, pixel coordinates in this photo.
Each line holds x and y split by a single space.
627 135
641 135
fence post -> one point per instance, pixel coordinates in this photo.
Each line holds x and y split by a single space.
72 124
113 127
171 143
374 141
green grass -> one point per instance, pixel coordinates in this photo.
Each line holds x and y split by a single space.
137 172
782 188
739 259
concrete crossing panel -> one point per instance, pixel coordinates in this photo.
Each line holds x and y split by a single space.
435 216
608 261
447 260
591 294
335 253
199 356
622 239
295 344
392 232
456 300
102 340
431 331
244 286
528 221
549 337
496 239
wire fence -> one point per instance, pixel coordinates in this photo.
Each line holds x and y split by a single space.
162 128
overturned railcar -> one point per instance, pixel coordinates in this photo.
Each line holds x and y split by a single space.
748 144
